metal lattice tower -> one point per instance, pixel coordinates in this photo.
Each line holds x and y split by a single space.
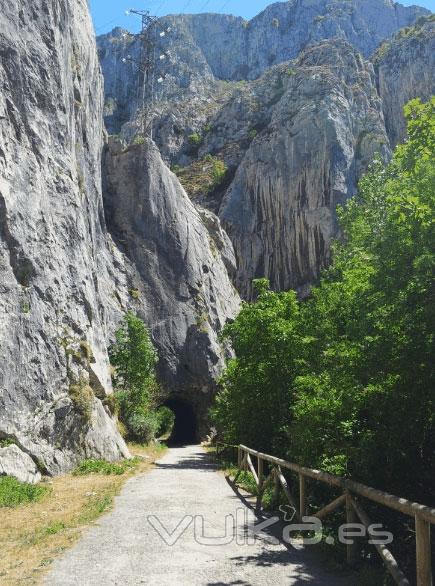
147 65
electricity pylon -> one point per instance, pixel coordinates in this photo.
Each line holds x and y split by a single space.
146 65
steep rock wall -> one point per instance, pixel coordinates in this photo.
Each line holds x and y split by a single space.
322 133
182 258
55 267
405 68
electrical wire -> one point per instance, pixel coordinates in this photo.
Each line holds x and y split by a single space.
107 24
160 6
206 3
224 5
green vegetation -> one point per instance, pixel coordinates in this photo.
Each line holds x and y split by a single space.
134 359
138 139
203 176
4 443
219 172
195 139
82 396
14 493
102 467
344 381
134 293
166 418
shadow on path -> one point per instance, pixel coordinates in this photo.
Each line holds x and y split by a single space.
200 460
305 561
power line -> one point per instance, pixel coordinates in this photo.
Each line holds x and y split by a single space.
107 24
206 3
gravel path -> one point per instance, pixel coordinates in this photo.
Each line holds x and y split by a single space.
124 548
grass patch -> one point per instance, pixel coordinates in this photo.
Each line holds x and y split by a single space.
4 443
14 493
102 467
34 534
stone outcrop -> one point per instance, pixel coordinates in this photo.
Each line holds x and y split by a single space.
182 259
64 283
405 67
14 462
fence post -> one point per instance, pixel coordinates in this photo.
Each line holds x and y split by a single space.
302 496
276 489
423 550
260 481
351 518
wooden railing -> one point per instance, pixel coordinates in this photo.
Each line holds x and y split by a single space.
422 514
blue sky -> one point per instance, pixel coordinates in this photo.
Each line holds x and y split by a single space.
110 13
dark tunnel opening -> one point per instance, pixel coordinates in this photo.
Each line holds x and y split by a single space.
185 429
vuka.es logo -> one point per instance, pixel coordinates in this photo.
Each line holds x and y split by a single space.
243 530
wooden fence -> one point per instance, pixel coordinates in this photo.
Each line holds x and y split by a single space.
422 514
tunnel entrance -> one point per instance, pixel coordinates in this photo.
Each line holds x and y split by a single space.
185 429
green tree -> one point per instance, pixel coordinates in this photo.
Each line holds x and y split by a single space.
134 359
253 405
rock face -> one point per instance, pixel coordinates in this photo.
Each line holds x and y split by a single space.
64 283
322 132
209 47
182 258
14 462
55 265
405 67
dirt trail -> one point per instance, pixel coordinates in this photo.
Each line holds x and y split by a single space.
125 547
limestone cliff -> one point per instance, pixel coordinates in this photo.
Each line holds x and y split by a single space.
405 67
54 263
323 125
64 283
182 258
205 48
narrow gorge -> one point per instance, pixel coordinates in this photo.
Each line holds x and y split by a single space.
259 130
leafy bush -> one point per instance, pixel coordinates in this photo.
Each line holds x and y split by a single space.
345 380
139 139
134 359
166 419
219 172
92 466
14 493
82 396
142 425
195 139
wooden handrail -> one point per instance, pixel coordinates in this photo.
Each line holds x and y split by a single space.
383 498
423 514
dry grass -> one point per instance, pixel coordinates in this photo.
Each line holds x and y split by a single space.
33 535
